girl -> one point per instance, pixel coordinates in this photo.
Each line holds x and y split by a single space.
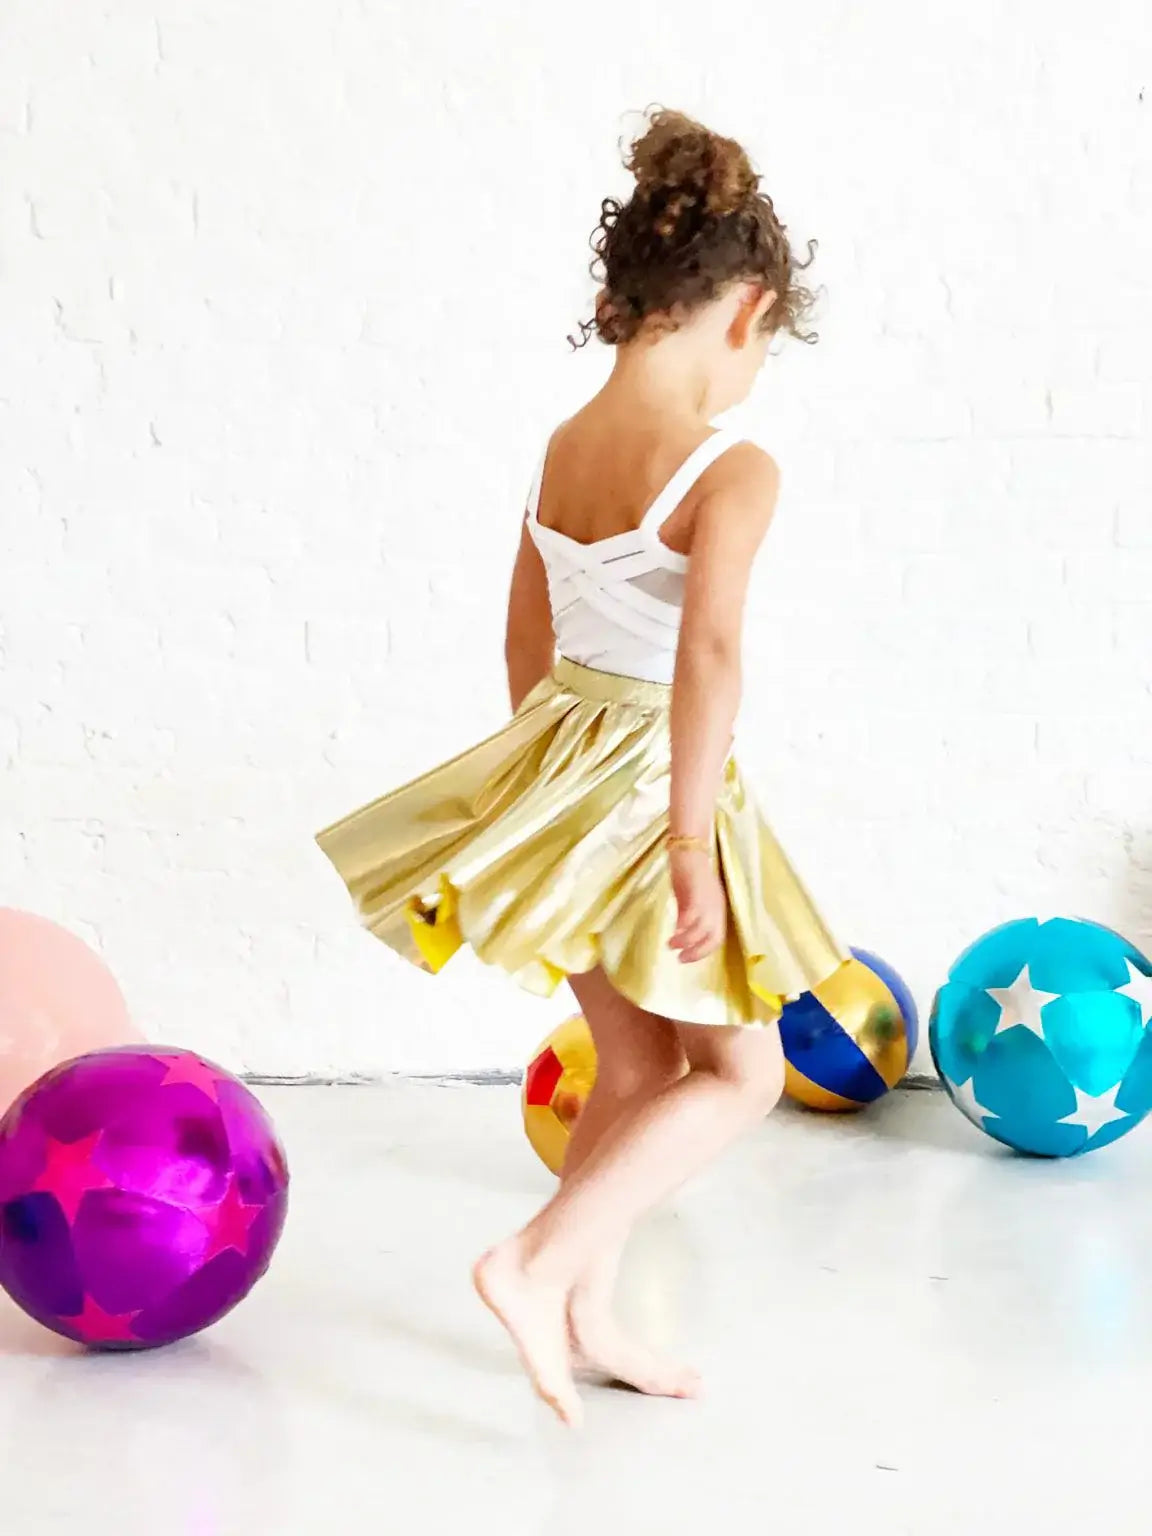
605 835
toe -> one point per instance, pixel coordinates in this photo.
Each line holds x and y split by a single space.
568 1410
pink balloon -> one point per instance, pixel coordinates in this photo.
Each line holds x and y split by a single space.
57 1000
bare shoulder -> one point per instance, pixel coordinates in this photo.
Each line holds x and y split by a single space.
745 468
744 481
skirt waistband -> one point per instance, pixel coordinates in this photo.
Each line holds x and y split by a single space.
611 687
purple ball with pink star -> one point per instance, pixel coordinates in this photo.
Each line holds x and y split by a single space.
142 1195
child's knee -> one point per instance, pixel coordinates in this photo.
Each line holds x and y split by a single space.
761 1085
750 1061
626 1075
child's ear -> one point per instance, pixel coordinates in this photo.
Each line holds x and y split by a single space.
755 303
764 307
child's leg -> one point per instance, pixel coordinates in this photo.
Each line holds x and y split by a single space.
637 1055
735 1077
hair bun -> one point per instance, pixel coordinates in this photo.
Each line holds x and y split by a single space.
675 154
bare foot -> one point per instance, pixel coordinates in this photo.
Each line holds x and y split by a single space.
602 1345
535 1317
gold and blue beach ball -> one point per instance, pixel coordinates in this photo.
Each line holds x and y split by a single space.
849 1040
1042 1035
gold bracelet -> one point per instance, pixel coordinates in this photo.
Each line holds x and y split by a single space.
676 840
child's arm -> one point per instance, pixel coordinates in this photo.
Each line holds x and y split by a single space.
730 523
529 642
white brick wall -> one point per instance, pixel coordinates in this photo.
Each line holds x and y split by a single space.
283 301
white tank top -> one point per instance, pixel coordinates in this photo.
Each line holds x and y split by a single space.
617 602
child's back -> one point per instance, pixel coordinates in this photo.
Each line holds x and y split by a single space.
615 546
606 467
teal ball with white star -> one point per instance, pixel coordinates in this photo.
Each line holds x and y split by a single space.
1042 1035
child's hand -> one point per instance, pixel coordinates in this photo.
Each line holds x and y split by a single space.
701 906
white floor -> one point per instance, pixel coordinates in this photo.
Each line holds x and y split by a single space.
904 1331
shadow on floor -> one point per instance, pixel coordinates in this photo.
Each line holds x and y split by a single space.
920 1118
927 1119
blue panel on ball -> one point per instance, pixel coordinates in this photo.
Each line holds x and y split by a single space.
1135 1095
963 1022
1094 1037
1022 1083
997 958
1071 955
1111 1132
815 1044
905 1002
1041 1140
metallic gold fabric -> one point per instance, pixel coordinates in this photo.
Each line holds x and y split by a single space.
542 847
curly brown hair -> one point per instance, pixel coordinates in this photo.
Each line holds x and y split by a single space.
696 223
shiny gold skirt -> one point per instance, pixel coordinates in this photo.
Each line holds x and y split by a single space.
543 848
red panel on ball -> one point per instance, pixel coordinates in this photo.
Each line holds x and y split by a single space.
542 1077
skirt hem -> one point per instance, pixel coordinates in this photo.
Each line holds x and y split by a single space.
437 937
